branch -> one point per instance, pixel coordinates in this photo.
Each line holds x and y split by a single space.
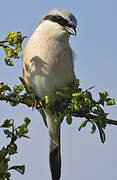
5 40
2 43
90 117
108 121
12 99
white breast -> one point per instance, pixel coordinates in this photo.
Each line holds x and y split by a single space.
48 60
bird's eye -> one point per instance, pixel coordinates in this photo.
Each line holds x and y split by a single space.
59 18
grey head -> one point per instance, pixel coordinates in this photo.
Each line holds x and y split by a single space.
62 17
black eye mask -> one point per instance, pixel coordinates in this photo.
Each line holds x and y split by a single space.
60 20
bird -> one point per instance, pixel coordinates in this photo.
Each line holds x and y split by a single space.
48 64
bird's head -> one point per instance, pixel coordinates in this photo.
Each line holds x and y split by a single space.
63 18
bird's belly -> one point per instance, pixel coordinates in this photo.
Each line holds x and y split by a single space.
47 79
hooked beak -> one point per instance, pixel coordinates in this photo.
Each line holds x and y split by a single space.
71 30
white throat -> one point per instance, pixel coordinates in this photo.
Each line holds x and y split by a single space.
52 29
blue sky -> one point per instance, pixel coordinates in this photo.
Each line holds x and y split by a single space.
95 46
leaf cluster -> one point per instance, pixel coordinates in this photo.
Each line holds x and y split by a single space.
19 94
6 152
80 103
12 45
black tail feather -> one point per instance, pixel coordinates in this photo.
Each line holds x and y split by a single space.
55 163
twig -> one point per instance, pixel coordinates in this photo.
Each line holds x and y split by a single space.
3 41
108 121
92 117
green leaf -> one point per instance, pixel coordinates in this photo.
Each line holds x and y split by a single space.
102 133
77 94
21 130
8 133
20 169
8 175
26 86
4 87
19 88
6 124
93 129
19 49
27 121
110 101
22 81
69 119
103 97
83 125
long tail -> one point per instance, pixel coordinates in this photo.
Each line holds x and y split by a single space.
53 123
